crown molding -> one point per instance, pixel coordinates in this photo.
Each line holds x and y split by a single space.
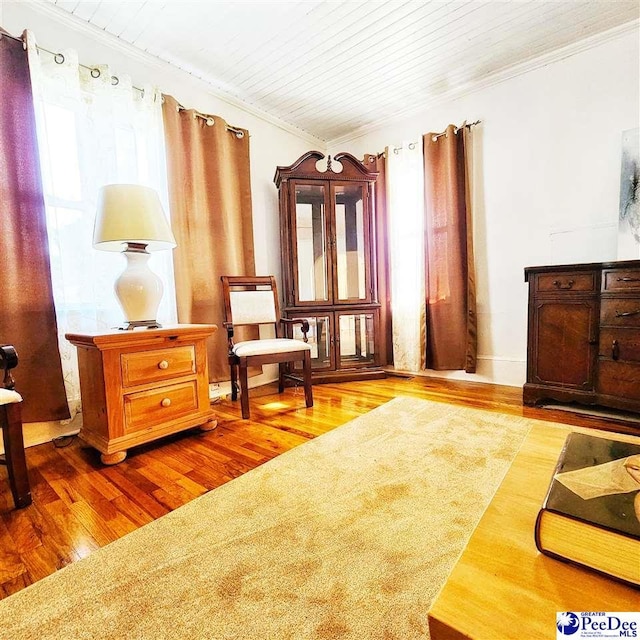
51 11
493 79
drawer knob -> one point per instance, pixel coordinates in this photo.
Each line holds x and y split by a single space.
615 350
166 402
163 364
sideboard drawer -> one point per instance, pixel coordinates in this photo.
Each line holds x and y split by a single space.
566 281
621 280
620 344
141 367
147 408
620 312
619 379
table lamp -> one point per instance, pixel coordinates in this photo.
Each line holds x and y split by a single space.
130 219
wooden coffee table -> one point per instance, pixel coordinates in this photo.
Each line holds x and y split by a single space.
502 587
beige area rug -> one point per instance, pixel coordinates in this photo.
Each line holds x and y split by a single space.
348 536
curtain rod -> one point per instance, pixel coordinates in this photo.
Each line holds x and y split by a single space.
435 136
59 58
410 145
467 125
210 121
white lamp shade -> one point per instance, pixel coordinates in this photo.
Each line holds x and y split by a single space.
130 213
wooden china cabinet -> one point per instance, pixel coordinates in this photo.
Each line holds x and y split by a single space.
327 233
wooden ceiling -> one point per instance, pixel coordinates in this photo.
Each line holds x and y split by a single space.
332 68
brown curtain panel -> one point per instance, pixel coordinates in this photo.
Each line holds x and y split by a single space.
379 163
27 315
450 275
210 203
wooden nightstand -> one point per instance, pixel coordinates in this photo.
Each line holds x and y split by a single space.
140 385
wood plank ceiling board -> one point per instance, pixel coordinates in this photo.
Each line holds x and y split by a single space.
335 67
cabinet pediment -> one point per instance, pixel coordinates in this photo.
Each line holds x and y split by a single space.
342 166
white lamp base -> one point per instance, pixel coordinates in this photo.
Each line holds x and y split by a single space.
138 289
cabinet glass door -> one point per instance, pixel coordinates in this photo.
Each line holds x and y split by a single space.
351 240
320 338
310 232
356 332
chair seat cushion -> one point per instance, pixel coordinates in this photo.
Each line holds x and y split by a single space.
274 345
9 397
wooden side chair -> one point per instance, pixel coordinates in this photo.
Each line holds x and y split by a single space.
253 301
11 425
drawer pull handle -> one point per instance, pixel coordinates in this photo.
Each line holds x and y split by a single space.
163 364
615 350
626 314
166 402
559 284
627 279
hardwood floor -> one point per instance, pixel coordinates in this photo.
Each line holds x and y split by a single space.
80 505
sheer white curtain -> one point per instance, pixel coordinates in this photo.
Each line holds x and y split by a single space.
93 129
405 201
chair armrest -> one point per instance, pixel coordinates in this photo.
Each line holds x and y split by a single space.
229 327
301 321
8 361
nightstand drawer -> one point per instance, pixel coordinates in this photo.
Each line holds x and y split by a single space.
140 367
147 408
620 312
621 280
565 282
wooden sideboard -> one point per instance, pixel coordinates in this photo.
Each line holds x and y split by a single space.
584 334
502 587
137 386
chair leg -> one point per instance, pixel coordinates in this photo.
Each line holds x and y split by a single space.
234 382
281 371
308 391
14 454
244 390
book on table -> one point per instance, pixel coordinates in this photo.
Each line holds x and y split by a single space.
591 513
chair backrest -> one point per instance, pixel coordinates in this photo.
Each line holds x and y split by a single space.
250 300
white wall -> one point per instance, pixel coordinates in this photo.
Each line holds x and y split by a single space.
272 143
546 184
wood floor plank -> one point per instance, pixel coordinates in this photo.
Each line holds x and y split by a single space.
79 504
99 528
64 519
135 492
11 565
9 587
